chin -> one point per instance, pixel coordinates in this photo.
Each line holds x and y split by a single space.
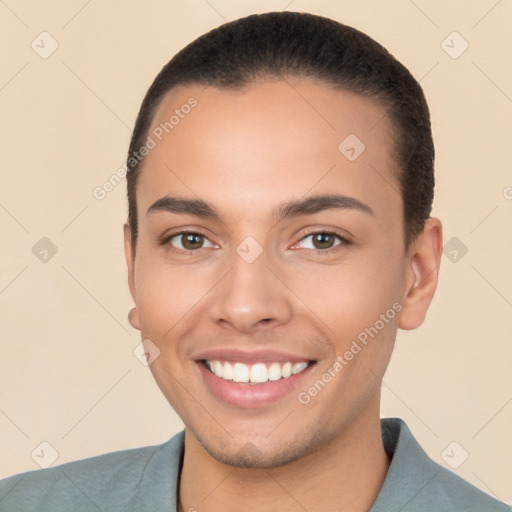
266 454
250 457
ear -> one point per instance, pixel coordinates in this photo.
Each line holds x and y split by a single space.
424 258
130 262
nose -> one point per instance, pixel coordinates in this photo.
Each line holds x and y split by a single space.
250 297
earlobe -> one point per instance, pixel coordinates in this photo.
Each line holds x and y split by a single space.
133 318
424 258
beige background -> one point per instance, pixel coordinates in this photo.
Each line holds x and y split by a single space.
68 375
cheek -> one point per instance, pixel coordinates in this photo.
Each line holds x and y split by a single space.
167 293
350 296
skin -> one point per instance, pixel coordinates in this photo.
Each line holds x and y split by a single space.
246 152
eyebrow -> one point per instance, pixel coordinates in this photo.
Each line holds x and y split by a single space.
291 209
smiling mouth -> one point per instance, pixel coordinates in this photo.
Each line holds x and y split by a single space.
258 373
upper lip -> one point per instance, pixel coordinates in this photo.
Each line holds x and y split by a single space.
248 357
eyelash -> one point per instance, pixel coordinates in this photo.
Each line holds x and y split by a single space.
343 240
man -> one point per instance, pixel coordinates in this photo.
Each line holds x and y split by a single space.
280 187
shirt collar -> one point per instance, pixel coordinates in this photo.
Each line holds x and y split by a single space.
410 471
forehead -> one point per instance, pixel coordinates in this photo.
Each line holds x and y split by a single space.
267 140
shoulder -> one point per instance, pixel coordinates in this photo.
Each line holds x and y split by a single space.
455 493
419 484
104 482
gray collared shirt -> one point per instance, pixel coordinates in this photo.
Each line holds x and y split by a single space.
146 479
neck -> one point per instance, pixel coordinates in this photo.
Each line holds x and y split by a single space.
346 473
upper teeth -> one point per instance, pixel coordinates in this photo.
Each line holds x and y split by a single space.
256 373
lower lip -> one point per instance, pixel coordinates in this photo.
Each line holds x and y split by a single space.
250 395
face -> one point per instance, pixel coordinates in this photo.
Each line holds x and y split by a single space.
274 315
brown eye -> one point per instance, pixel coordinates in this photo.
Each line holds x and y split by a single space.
188 241
322 241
